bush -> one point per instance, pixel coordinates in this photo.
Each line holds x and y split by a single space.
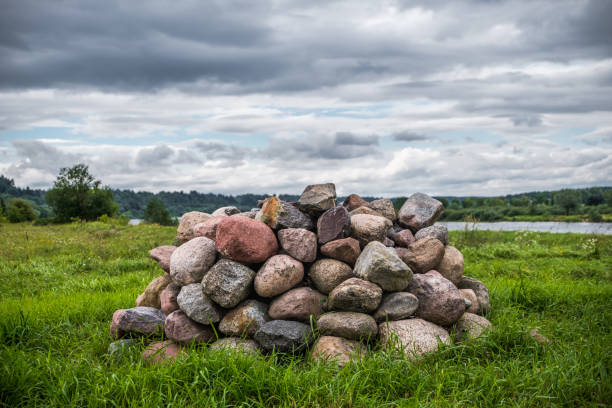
595 216
19 210
156 212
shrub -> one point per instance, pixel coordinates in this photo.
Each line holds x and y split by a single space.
19 210
594 215
156 212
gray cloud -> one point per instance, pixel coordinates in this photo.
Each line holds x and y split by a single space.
407 136
340 146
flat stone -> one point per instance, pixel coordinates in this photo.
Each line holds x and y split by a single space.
403 238
420 211
384 207
471 297
367 228
451 265
245 240
162 255
284 336
225 211
161 352
423 255
298 304
236 344
381 265
440 302
355 295
167 298
365 210
151 296
317 198
279 274
412 336
333 224
182 329
326 274
481 291
142 320
228 283
350 325
245 319
197 306
470 326
396 306
192 260
437 231
345 250
208 228
354 201
189 220
279 214
299 243
330 349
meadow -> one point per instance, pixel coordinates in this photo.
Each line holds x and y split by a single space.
60 285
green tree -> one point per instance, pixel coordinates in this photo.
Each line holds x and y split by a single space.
568 200
443 200
76 194
522 201
468 202
19 210
2 206
157 212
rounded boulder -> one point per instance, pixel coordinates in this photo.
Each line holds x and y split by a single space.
245 240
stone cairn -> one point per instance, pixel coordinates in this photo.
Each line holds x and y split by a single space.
309 276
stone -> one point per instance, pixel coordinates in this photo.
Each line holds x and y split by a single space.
151 296
245 240
381 265
299 243
354 201
412 336
350 325
331 349
451 265
388 242
118 347
197 306
326 274
403 238
365 210
162 255
420 211
384 207
333 224
422 256
298 304
249 214
437 231
167 298
182 329
225 211
481 291
317 198
345 250
245 319
142 320
470 326
192 260
189 220
292 217
366 228
537 336
208 228
355 295
228 283
284 336
396 306
279 274
115 331
271 209
440 302
469 295
236 344
161 352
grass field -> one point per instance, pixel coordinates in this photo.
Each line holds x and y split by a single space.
61 284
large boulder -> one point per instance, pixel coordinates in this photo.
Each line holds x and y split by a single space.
197 306
367 228
437 231
245 319
396 306
284 336
423 255
354 201
384 207
225 211
162 255
355 295
412 336
481 291
420 211
245 240
317 198
300 243
189 220
279 214
191 261
279 274
326 274
345 250
331 349
451 265
167 298
228 283
350 325
182 329
381 265
440 301
333 224
470 326
141 320
208 228
298 304
150 296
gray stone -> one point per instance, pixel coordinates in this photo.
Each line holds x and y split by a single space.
191 261
481 291
299 243
412 336
298 304
326 274
119 347
437 231
440 302
228 283
331 349
384 207
420 211
367 228
470 326
189 220
469 295
423 255
350 325
236 345
381 265
317 198
245 319
182 329
284 336
142 320
279 214
396 306
225 211
197 306
277 275
355 295
333 224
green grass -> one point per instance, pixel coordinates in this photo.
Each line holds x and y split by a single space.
61 284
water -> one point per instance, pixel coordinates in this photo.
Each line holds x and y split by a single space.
135 221
556 227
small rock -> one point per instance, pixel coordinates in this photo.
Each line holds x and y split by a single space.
118 347
381 265
420 211
388 243
280 214
422 256
535 334
440 302
396 306
189 220
451 265
208 228
470 326
469 295
162 255
326 274
412 336
355 295
300 243
481 291
354 201
366 228
317 198
236 344
437 231
403 238
284 336
384 207
365 210
228 283
142 320
245 319
225 211
279 274
192 260
330 349
150 297
245 240
182 329
161 352
334 224
167 298
115 331
298 304
345 250
248 214
350 325
197 306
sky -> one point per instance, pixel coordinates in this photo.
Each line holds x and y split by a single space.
382 98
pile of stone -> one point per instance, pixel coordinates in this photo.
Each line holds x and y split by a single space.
309 276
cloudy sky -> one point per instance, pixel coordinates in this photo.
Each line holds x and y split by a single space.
380 97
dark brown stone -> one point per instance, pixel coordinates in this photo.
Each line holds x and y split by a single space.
333 224
345 250
354 201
